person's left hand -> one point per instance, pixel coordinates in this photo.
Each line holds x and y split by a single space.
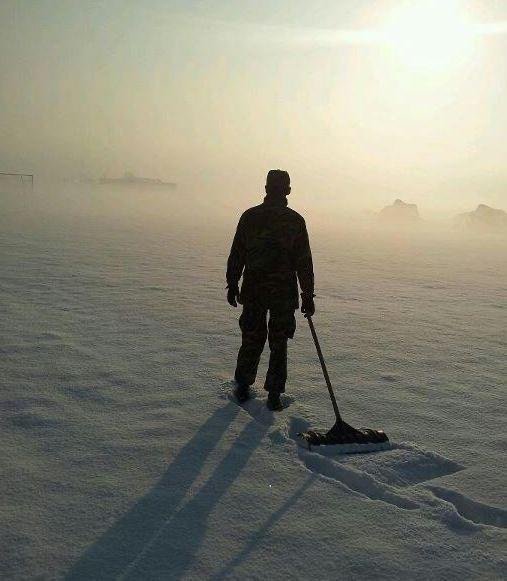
233 295
307 305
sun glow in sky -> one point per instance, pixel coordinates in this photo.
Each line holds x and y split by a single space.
430 34
363 100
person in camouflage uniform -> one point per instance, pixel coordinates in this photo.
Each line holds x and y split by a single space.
271 250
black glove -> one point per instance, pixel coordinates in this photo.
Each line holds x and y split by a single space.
307 305
233 295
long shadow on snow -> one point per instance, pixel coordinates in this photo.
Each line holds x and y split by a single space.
157 536
173 551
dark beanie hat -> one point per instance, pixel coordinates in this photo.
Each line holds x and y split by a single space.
277 179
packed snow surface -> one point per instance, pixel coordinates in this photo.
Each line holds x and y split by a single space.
124 456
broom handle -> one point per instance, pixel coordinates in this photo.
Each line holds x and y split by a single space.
324 370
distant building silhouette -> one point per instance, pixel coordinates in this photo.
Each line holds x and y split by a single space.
130 179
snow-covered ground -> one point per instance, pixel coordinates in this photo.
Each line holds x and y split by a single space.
123 456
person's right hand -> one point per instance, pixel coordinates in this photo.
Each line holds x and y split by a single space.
233 295
307 305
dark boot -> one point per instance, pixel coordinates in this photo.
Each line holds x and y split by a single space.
242 392
274 403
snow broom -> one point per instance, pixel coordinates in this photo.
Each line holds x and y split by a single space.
347 438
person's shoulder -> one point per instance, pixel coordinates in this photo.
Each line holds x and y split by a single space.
251 212
296 216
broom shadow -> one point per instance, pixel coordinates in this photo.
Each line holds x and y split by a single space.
132 535
257 536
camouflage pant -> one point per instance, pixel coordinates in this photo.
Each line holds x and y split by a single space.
281 327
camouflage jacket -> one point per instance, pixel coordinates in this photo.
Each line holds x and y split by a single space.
270 249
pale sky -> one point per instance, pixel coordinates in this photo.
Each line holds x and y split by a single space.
213 94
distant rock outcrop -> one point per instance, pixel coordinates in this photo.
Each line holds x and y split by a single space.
483 218
400 213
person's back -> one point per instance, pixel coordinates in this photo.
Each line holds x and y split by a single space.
271 250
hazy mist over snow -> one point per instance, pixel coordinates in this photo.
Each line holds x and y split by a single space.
185 208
